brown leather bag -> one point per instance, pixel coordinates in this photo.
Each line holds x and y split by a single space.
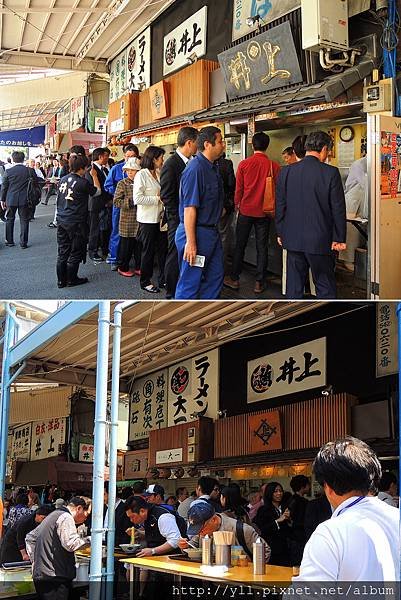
269 200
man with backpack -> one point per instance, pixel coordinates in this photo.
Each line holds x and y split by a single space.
19 193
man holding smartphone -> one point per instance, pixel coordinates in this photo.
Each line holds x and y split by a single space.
198 242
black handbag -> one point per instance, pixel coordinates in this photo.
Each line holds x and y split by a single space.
34 191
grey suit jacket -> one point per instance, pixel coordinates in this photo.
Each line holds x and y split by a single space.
15 185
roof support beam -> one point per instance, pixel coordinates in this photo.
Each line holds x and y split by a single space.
55 61
54 10
58 322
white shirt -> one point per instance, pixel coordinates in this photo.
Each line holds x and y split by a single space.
146 194
169 529
388 499
359 543
184 158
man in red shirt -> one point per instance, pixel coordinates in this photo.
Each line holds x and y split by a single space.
249 194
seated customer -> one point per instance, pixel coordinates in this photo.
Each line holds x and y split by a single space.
13 547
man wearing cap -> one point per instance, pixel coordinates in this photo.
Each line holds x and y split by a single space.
155 495
161 530
51 548
203 520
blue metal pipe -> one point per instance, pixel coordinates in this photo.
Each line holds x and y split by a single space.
115 396
95 576
399 411
5 395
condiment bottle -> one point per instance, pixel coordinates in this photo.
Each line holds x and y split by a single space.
259 560
206 550
242 560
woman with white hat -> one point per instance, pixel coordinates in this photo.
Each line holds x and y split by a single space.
128 225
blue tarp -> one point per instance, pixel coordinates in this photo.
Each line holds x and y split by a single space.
23 137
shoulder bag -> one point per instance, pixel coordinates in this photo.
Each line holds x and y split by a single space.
34 191
269 200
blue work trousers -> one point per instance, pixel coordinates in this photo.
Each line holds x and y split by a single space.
115 236
196 282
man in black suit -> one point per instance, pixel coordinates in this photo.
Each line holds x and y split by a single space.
14 196
311 218
170 186
98 204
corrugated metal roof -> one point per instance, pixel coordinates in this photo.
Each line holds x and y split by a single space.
32 405
325 91
154 335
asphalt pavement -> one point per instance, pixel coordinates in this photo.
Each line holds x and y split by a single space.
30 274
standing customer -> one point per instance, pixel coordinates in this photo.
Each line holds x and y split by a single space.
14 196
227 218
249 197
150 208
170 177
115 175
201 206
19 510
53 175
97 203
51 548
128 225
361 541
72 216
272 522
311 219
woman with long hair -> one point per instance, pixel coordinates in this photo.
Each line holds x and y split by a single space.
149 213
273 523
233 504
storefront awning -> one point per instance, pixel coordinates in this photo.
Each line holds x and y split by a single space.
325 91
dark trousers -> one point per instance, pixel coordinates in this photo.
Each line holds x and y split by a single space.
243 229
51 191
24 216
53 589
71 242
171 270
322 267
129 246
94 230
152 241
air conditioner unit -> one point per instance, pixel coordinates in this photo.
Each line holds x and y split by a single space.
324 24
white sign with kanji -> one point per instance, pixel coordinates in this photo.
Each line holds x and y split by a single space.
100 124
118 76
193 388
148 405
186 39
169 456
63 119
77 113
21 444
47 437
289 371
85 453
386 339
138 62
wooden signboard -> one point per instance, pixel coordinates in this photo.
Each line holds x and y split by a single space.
135 464
159 100
266 431
123 113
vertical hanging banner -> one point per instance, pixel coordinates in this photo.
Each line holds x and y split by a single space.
188 38
138 62
118 76
77 113
193 388
47 437
386 339
148 405
286 372
21 444
63 119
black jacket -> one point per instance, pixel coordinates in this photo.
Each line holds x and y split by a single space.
122 523
14 539
277 536
310 207
170 177
317 511
227 174
97 203
15 185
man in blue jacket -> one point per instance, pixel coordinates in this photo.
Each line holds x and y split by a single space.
115 175
311 218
